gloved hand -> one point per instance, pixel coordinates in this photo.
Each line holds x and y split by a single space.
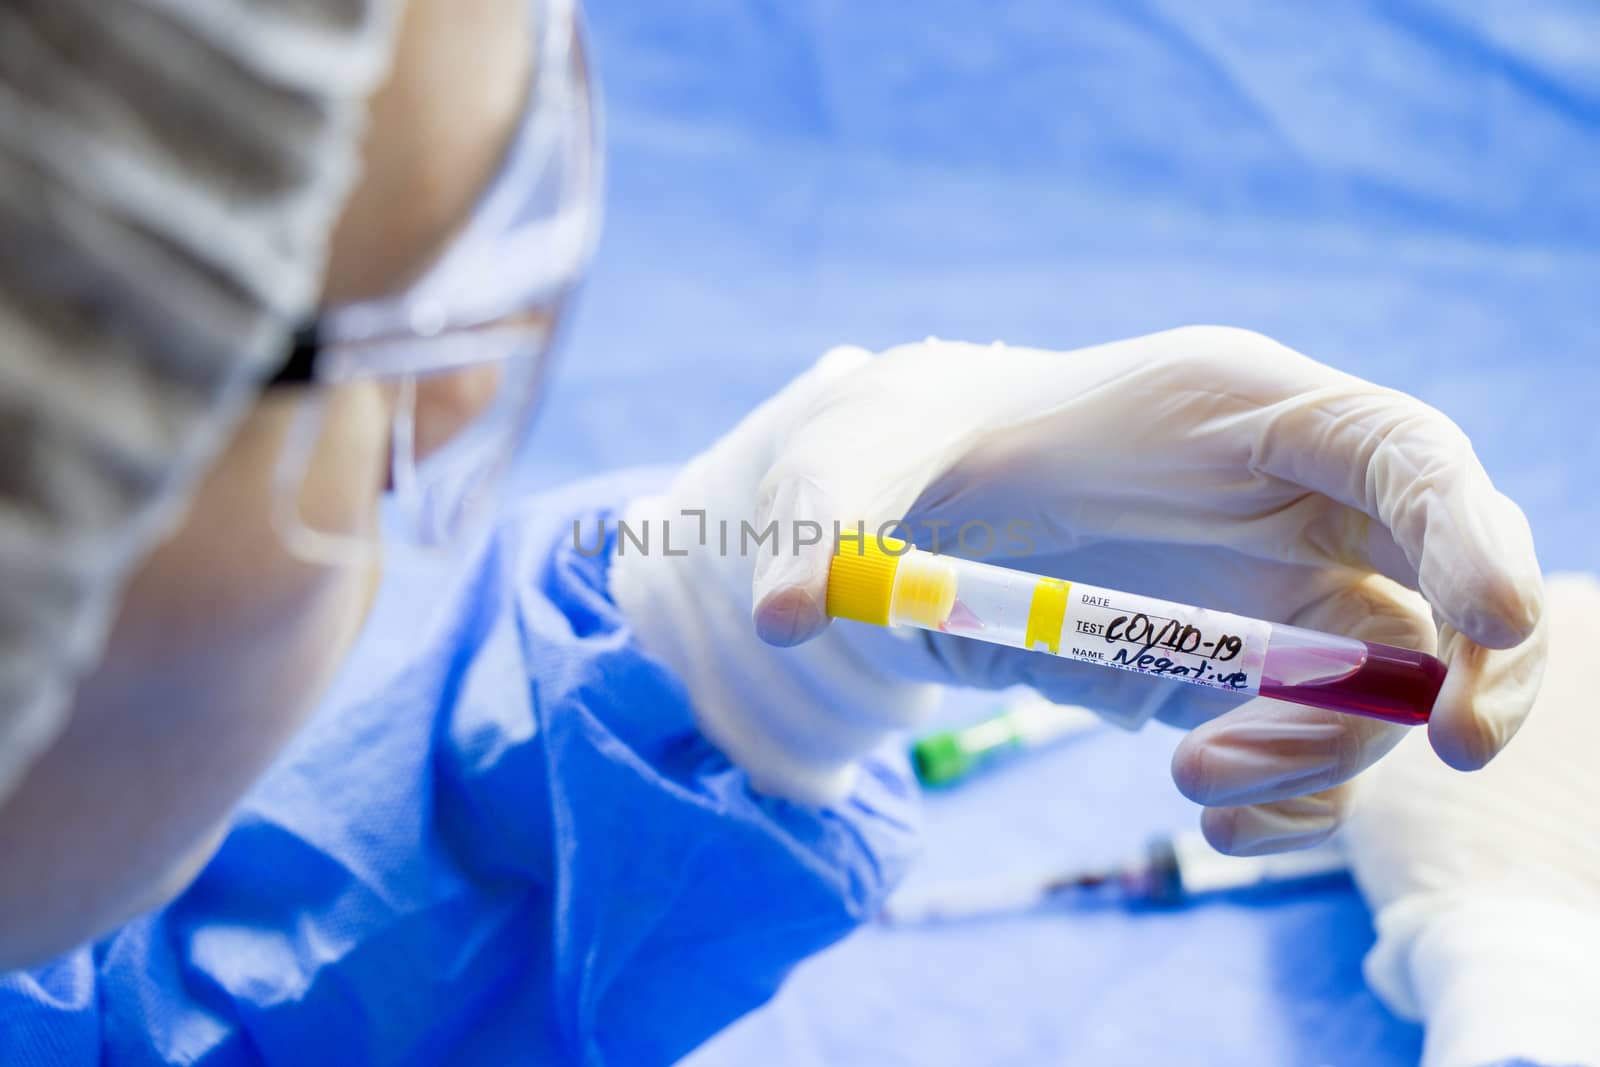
1487 889
1205 465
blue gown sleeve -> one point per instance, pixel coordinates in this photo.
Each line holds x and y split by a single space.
501 840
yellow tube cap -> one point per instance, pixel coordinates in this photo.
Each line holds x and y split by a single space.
861 578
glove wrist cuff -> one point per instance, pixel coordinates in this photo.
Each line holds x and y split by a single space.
1492 977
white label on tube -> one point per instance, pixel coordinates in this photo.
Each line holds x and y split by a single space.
1140 633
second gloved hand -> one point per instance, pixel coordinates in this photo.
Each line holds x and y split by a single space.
1206 465
1486 889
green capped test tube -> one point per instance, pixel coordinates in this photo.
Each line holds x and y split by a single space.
949 756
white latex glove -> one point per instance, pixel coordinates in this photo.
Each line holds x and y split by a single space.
1487 889
796 719
1206 465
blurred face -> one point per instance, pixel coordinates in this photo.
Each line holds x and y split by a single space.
224 640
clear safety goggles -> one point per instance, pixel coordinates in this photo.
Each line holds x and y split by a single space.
454 364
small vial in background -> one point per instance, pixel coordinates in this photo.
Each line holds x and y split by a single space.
951 756
1171 872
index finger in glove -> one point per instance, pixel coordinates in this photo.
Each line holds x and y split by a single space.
1438 522
1407 466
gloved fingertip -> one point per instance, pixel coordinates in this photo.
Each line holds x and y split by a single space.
1216 826
1484 700
1465 742
1261 831
1495 593
1529 610
1521 601
1188 770
790 593
1506 614
789 616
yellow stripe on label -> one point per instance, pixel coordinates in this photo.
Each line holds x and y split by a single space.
1046 613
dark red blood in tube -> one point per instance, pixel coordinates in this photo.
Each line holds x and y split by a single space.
1394 684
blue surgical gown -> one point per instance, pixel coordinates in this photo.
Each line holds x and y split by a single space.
500 840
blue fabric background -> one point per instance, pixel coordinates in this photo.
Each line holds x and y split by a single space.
1407 190
500 841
